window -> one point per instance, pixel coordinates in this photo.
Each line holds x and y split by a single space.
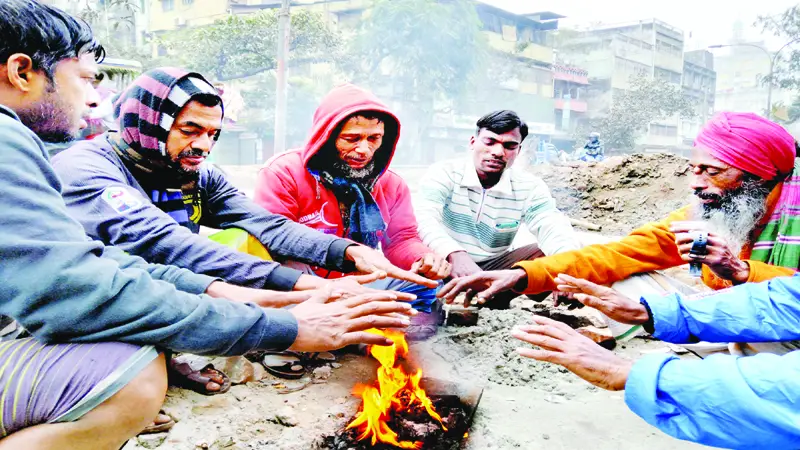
188 2
664 74
167 5
663 130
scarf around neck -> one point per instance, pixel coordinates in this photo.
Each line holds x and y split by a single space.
145 112
779 242
366 225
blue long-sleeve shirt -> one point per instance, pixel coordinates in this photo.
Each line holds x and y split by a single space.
63 287
724 400
90 170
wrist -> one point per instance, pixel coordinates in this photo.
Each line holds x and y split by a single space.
621 373
742 273
309 282
648 324
521 283
216 289
455 255
350 251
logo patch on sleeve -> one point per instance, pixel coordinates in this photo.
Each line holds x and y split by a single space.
120 199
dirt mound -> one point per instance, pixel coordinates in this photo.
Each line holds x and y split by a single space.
488 352
621 192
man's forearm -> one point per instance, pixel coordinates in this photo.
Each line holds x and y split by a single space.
723 401
756 312
260 297
308 282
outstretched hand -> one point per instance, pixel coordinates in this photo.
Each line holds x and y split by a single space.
559 344
353 285
325 324
432 266
484 285
604 299
370 261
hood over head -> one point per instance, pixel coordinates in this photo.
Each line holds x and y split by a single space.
337 106
146 110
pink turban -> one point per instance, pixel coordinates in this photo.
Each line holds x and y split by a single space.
750 143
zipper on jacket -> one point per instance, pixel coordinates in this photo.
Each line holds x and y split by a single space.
480 207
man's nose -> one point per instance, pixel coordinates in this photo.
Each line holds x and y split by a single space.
363 147
697 182
203 142
497 150
92 97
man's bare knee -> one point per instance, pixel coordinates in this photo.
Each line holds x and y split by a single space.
137 404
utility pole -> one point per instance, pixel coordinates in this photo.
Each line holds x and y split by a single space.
284 23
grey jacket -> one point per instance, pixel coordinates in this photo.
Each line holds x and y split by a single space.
90 170
63 287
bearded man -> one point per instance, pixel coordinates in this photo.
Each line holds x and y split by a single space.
340 184
90 376
146 190
745 180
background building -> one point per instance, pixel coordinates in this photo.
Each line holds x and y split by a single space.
523 38
612 54
699 84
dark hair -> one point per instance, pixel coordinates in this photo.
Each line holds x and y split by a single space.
502 122
46 34
369 115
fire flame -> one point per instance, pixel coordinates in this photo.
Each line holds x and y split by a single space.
396 390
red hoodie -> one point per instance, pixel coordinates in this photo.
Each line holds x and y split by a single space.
285 186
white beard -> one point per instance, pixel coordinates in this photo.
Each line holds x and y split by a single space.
736 219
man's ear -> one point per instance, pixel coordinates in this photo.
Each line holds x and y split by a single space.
471 141
20 73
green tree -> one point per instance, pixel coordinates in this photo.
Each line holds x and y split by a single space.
646 101
424 52
241 46
114 23
786 25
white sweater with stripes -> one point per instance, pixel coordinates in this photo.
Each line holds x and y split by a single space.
456 213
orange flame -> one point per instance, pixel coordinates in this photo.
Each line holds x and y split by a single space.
396 390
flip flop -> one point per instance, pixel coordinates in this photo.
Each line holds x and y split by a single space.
159 428
182 375
288 365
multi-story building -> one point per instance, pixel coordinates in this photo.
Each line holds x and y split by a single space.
612 54
522 37
569 91
699 85
740 67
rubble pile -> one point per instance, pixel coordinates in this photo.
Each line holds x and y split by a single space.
621 192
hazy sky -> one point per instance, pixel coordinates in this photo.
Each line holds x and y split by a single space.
709 21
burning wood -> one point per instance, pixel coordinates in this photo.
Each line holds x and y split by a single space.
396 390
403 410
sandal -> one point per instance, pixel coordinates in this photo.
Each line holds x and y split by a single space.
287 364
183 375
293 365
161 427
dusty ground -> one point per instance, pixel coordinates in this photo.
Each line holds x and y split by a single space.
526 404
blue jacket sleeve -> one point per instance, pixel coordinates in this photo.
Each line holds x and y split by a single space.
57 284
182 279
229 208
144 230
753 312
721 401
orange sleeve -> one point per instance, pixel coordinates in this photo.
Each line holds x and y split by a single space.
651 247
761 271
